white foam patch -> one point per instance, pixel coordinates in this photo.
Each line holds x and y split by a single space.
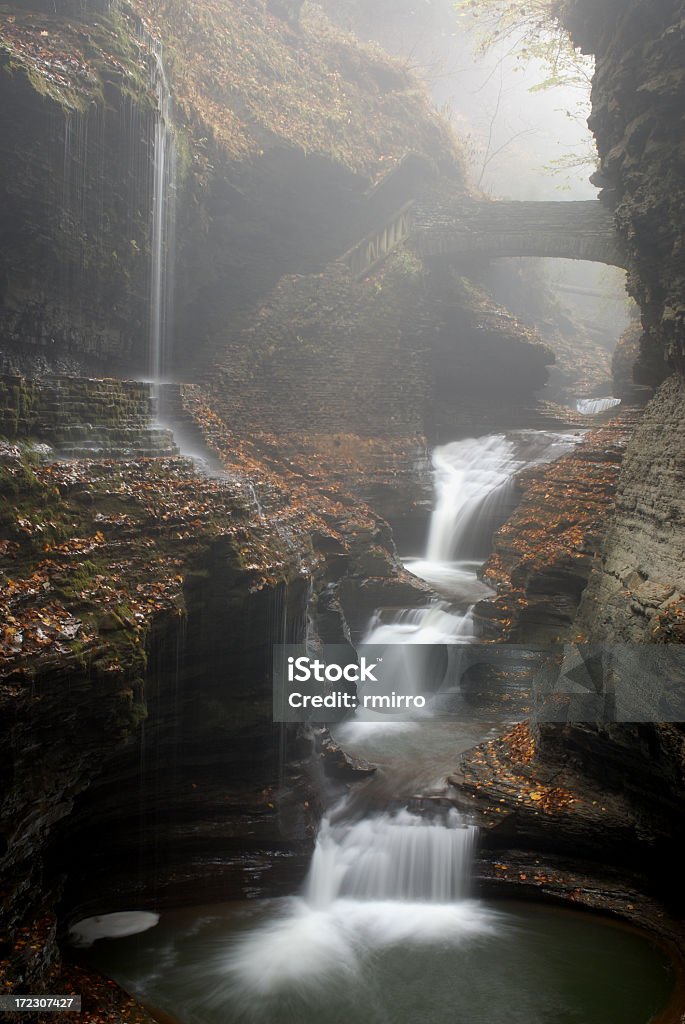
111 926
593 406
307 949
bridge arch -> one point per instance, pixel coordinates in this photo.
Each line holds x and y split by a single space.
562 230
494 229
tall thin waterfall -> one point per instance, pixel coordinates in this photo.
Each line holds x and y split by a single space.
163 191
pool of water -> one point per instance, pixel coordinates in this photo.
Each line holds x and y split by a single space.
394 962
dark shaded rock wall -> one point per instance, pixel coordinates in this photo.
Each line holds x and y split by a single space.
637 102
638 98
209 793
77 122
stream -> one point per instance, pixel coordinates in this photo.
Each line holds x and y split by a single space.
386 929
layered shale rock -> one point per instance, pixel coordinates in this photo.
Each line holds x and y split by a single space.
638 593
543 556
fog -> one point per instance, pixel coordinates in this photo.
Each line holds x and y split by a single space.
519 141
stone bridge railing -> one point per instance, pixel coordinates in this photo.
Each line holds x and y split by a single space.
373 249
465 228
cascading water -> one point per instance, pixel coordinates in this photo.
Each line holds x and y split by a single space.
163 191
392 857
372 884
594 406
398 877
471 484
473 481
385 929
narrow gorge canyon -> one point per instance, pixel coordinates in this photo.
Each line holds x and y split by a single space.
275 370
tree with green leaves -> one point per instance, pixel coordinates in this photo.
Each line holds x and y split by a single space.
529 30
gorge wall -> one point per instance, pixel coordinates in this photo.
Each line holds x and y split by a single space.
638 93
140 596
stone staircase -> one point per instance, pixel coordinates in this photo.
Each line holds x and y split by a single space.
82 417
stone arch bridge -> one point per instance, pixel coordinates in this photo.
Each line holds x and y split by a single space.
493 229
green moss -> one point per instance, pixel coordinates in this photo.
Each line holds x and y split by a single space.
77 580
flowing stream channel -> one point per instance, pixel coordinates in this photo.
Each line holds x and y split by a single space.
386 929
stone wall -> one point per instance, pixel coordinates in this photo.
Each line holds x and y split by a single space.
408 351
81 416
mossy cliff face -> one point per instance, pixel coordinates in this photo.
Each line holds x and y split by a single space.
77 119
292 141
133 593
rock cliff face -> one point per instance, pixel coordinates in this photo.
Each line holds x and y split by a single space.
544 555
78 121
637 101
638 591
125 648
638 97
291 141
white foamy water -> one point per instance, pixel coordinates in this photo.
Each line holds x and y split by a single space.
593 406
372 884
471 479
392 857
473 482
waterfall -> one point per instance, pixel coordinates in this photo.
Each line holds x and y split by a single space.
471 479
392 857
473 482
396 878
593 406
163 192
373 884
